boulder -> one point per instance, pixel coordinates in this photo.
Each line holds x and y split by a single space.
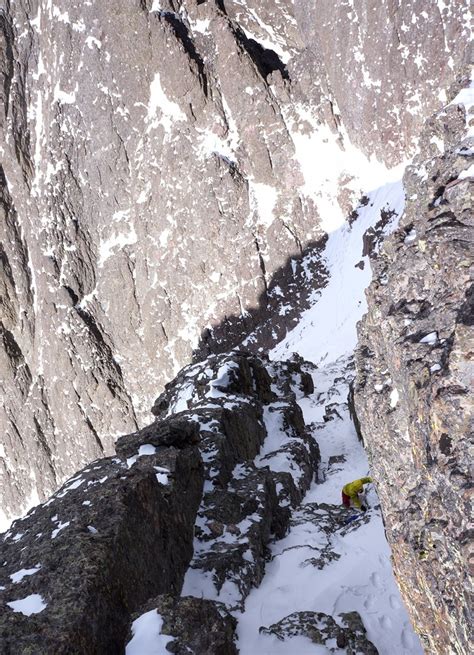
113 536
195 626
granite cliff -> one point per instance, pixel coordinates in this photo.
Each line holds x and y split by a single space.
164 166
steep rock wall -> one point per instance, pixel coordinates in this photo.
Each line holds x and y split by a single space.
158 166
379 56
413 391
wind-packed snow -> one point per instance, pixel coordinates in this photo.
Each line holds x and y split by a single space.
185 394
328 329
159 101
469 172
115 244
394 398
430 338
145 449
162 474
147 637
32 604
262 201
361 578
60 527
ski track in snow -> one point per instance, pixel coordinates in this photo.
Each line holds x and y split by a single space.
362 578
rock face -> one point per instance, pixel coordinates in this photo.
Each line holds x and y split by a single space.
413 391
196 625
116 540
379 58
155 176
116 534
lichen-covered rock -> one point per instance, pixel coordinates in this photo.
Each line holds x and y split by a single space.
413 391
197 626
113 536
346 632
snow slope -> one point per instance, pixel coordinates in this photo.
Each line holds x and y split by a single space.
361 579
328 329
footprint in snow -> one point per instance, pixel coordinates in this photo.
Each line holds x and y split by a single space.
385 622
407 639
394 603
375 580
370 603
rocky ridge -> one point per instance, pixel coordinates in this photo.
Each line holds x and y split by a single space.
155 174
113 536
413 391
160 545
117 538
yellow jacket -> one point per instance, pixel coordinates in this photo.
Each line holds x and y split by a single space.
352 489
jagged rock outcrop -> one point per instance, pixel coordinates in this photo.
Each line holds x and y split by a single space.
259 457
189 625
152 184
116 540
347 632
113 536
413 391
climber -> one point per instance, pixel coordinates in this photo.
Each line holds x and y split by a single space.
350 493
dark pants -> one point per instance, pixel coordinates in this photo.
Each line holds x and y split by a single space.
346 501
